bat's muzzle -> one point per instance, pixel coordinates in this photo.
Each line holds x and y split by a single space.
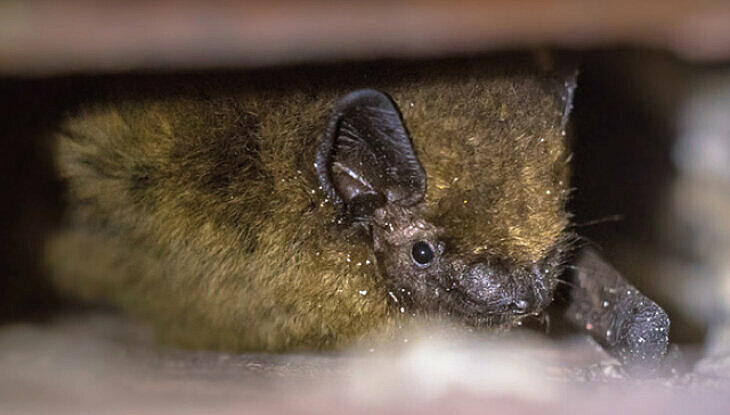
497 289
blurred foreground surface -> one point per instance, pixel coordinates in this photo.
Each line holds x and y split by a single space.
52 37
103 364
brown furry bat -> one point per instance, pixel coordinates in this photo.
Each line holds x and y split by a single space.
307 212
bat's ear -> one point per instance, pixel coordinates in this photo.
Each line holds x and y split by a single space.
564 79
366 158
560 72
569 79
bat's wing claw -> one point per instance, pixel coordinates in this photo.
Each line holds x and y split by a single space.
630 326
642 338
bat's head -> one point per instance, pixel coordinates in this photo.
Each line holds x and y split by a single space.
439 250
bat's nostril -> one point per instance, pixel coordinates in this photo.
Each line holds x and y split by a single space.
519 306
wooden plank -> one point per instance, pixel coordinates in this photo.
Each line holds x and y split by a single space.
54 36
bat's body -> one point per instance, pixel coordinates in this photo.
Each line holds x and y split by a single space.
310 212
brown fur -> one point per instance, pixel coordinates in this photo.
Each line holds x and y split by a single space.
202 212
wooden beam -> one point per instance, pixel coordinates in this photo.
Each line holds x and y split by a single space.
60 36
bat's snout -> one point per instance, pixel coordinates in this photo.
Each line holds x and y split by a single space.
495 289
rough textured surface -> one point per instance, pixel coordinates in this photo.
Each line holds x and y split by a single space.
103 365
198 205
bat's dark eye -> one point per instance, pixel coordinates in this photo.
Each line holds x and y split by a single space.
422 253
